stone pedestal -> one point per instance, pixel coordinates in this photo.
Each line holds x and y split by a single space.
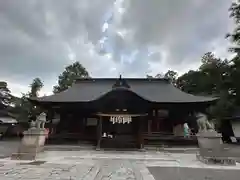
32 143
209 140
211 150
236 128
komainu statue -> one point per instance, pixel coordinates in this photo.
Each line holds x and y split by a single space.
41 120
203 123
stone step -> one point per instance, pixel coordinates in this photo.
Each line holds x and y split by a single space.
173 149
68 147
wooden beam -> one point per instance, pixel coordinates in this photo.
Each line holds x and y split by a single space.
121 114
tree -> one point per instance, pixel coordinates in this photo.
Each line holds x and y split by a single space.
235 39
171 75
22 108
235 35
234 87
159 75
35 86
25 109
5 96
69 75
192 82
149 77
223 108
212 78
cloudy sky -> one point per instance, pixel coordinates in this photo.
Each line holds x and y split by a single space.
108 37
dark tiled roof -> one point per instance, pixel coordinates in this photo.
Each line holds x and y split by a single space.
154 90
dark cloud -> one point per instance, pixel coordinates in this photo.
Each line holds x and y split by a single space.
39 38
185 28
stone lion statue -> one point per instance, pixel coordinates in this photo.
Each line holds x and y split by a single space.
41 120
203 123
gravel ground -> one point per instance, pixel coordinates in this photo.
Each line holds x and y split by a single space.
182 173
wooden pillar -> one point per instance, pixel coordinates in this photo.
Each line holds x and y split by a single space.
149 126
140 133
157 120
99 133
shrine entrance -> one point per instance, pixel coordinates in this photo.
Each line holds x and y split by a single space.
120 130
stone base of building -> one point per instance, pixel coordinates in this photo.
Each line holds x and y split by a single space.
32 143
217 160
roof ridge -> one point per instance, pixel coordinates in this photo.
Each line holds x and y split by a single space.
115 79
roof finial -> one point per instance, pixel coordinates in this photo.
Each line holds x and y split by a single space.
120 77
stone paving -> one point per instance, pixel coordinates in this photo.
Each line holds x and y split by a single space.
47 171
100 165
102 170
75 165
183 173
7 148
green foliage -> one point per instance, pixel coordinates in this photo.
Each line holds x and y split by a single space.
235 35
69 75
214 77
5 94
234 73
192 82
171 75
149 77
223 108
35 86
23 107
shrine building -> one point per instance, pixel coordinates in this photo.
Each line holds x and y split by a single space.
121 112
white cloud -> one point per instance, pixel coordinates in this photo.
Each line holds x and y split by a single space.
129 37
